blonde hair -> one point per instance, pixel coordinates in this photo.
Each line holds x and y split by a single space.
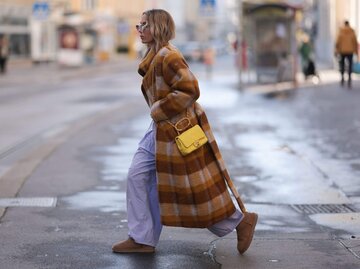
162 26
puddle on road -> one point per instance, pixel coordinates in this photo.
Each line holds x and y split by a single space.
349 222
107 188
105 201
210 97
246 178
114 161
285 176
280 218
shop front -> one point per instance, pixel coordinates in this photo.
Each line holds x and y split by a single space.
271 33
14 25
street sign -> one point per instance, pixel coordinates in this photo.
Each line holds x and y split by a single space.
208 3
207 7
41 10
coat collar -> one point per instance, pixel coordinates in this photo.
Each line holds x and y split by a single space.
146 62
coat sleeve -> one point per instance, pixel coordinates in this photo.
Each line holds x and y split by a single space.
184 88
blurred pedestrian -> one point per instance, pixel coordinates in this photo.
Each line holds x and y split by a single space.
164 187
283 65
209 60
307 59
346 46
4 53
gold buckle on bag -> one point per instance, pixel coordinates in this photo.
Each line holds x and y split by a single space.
179 129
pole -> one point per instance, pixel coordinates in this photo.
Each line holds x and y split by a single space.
294 48
239 44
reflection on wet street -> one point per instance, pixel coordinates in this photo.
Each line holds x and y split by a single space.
114 160
292 150
275 152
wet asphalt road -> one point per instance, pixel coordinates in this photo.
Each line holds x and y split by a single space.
297 149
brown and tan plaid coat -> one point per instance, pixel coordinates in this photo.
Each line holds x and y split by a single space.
192 190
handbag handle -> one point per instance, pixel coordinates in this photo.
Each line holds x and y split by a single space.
177 124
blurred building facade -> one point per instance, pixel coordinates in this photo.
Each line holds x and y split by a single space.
106 26
347 10
14 16
202 25
91 30
322 20
35 27
113 21
318 19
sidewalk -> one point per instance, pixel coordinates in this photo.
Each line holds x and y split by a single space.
23 70
326 76
225 68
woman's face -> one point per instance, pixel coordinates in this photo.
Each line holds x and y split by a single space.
144 30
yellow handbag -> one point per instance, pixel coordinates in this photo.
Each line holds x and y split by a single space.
191 139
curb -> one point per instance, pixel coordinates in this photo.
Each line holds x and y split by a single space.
274 90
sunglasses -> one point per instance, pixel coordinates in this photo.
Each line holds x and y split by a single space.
141 27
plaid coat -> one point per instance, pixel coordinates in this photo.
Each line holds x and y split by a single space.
192 190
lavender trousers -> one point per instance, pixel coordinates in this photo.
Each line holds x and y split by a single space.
143 202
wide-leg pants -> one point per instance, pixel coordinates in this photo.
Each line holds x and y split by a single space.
142 197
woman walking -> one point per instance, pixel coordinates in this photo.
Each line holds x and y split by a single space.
165 187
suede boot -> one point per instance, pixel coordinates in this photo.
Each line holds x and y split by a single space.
130 246
245 231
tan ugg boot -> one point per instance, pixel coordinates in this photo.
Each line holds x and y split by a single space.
130 246
245 231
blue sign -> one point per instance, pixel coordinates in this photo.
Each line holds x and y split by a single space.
41 10
207 8
208 3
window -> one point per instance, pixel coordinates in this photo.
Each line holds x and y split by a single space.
89 4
